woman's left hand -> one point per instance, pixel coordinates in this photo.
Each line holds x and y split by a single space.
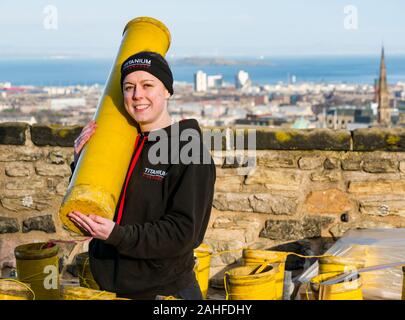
98 227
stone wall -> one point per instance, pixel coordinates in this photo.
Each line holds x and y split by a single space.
308 187
34 175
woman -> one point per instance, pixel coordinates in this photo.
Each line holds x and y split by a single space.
164 207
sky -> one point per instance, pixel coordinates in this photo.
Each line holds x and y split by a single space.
248 28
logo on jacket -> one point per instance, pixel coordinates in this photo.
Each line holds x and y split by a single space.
153 174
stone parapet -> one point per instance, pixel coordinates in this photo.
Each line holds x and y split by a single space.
305 189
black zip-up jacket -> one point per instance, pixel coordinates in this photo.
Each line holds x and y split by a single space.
165 213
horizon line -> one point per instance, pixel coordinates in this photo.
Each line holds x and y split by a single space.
202 56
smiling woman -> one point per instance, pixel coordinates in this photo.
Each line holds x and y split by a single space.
164 207
143 96
146 92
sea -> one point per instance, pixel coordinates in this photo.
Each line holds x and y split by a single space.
314 69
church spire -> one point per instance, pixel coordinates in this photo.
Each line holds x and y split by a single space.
384 114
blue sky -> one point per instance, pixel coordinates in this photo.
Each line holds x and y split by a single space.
90 28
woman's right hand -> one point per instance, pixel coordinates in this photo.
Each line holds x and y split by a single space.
82 139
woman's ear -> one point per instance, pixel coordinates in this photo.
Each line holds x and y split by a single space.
167 94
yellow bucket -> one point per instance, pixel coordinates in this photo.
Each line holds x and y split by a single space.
80 293
15 290
83 268
202 267
278 258
96 184
250 283
38 266
339 264
347 290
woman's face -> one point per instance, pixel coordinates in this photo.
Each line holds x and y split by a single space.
145 98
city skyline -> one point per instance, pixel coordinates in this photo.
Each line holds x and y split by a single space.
90 29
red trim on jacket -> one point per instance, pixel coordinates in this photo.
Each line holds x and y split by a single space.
131 169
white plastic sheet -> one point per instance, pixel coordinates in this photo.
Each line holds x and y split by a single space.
375 247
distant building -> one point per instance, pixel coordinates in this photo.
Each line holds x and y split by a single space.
280 98
59 104
398 94
294 98
242 80
58 90
27 119
5 85
291 79
349 117
301 123
5 107
215 81
200 81
296 111
374 108
261 99
401 119
384 112
264 121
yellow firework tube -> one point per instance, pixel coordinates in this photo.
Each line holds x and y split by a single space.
100 173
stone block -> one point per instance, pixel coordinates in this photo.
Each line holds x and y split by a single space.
16 203
331 163
285 230
223 222
13 154
380 166
272 160
226 234
41 223
45 169
275 179
225 252
56 157
13 133
310 163
229 183
383 207
377 187
8 225
18 169
326 176
372 139
54 135
305 139
25 184
231 202
329 201
352 164
62 187
7 258
274 204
